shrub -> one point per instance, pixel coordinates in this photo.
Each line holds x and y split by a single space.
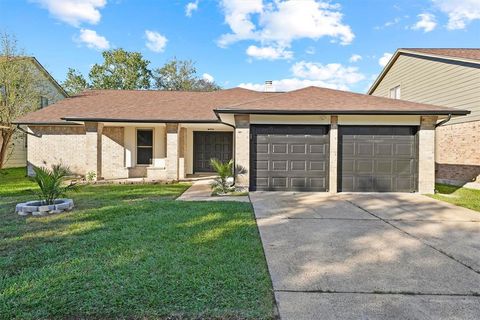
224 171
52 183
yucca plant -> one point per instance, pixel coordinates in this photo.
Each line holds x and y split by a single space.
224 171
52 183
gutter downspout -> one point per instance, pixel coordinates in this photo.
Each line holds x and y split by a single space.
441 123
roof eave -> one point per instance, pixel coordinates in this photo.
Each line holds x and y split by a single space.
344 112
137 120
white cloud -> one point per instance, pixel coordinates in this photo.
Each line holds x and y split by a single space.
388 24
190 7
304 74
384 59
460 12
355 58
155 41
74 12
93 40
426 22
310 50
332 73
281 22
208 77
268 53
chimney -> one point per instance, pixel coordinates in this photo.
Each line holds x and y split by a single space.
269 86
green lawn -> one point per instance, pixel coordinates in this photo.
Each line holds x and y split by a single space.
130 251
468 198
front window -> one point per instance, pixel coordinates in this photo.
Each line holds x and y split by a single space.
395 92
144 146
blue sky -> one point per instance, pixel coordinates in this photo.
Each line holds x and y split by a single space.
337 44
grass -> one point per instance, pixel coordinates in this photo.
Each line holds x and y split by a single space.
463 197
130 251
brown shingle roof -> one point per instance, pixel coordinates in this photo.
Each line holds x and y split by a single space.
462 53
329 101
177 106
141 105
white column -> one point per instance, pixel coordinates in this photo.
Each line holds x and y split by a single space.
93 145
242 150
333 156
172 145
426 155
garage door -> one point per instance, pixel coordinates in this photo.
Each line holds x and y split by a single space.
378 158
289 157
208 145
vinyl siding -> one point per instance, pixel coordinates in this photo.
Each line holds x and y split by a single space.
435 82
18 151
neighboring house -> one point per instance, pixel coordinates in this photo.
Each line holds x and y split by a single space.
443 77
17 153
312 139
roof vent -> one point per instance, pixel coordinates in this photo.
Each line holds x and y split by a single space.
269 86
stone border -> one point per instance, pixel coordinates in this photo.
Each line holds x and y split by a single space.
38 208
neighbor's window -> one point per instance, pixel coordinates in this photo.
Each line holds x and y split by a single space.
144 146
43 102
395 92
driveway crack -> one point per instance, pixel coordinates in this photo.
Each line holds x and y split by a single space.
415 237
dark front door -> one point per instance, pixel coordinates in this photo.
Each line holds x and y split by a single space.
378 158
208 145
289 157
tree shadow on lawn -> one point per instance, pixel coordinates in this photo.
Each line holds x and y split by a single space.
142 260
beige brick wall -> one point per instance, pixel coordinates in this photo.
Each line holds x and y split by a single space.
67 145
426 157
57 144
458 153
242 150
113 153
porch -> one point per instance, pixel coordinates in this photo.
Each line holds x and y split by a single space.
156 151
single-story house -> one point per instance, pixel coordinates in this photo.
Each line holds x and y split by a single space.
447 77
311 139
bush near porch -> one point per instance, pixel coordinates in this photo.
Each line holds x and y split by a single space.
130 251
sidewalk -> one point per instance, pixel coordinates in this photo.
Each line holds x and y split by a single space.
200 191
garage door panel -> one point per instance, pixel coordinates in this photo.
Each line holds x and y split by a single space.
391 166
292 158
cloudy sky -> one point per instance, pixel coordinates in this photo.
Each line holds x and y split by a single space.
337 44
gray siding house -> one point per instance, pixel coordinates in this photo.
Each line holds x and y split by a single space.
443 77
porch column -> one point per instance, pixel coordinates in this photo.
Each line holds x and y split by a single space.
182 152
171 162
242 150
93 146
333 156
426 155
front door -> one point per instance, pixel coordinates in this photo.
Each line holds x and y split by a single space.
208 145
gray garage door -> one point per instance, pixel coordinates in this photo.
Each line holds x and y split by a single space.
289 157
378 158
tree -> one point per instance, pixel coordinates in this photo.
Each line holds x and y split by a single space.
21 89
75 82
181 75
121 70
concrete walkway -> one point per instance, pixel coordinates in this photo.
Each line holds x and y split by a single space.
201 191
370 256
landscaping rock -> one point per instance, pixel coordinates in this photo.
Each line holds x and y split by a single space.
23 214
19 207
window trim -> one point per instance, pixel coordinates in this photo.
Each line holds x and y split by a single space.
397 90
137 146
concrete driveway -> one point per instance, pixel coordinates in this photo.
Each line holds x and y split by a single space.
370 256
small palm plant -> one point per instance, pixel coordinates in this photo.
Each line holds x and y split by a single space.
224 171
52 183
